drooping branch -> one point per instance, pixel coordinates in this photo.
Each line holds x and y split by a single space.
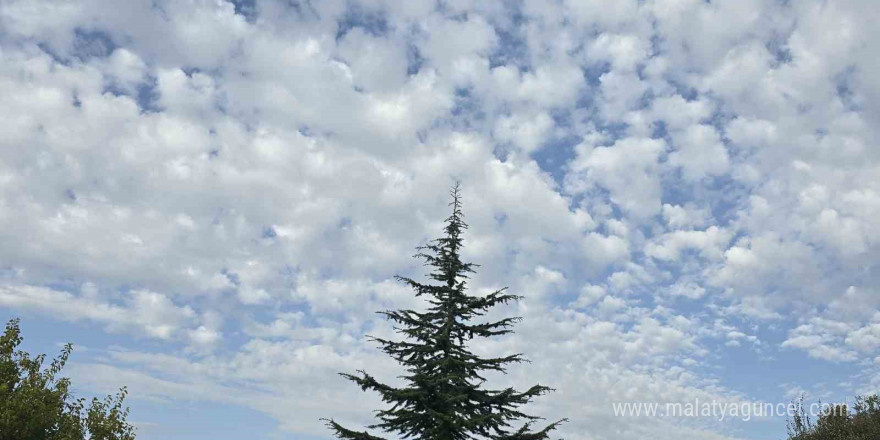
347 434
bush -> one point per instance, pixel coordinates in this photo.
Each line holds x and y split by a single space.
36 403
839 423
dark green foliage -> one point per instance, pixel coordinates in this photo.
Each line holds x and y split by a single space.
862 423
36 404
444 398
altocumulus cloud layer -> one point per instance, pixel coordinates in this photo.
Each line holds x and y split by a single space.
213 197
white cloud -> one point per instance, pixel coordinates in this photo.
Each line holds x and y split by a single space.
142 312
624 52
628 169
206 174
700 153
817 338
526 132
678 217
866 339
710 243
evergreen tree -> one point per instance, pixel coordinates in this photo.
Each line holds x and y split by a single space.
444 398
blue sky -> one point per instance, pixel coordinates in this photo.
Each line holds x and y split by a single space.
210 199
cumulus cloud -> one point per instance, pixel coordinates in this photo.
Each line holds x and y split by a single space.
628 169
143 312
669 183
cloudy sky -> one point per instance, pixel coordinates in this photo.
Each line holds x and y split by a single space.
211 198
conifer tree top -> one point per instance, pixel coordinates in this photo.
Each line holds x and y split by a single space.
444 397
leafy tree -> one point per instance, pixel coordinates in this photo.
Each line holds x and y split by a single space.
839 423
444 398
36 404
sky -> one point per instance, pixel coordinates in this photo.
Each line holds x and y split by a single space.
210 200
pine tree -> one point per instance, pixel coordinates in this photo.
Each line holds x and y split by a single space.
444 398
